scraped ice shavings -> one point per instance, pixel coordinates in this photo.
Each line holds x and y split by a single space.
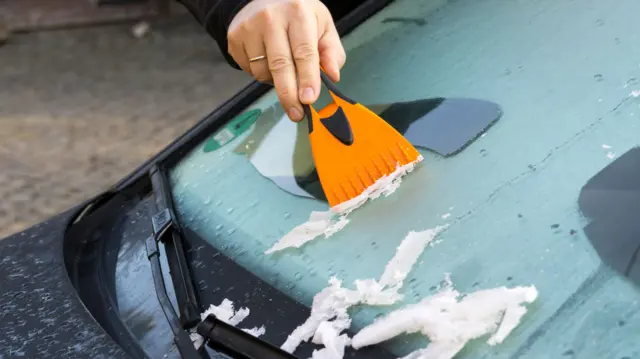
334 343
635 93
227 313
329 307
334 220
450 321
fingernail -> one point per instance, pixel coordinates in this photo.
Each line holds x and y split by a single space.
307 95
295 114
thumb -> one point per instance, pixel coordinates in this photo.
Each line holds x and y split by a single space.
332 54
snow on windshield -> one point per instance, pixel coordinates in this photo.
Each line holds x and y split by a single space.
448 319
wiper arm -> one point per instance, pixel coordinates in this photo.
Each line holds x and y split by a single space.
219 335
180 337
167 230
237 343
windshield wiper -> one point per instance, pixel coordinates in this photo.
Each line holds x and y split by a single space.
166 229
237 343
218 335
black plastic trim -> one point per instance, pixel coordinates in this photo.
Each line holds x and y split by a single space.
332 87
237 343
91 262
338 125
170 233
180 337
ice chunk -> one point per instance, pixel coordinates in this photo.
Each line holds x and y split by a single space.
635 93
226 313
239 316
328 335
450 321
331 303
407 254
256 332
318 223
437 350
334 220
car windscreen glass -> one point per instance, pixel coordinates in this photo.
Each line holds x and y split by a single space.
562 72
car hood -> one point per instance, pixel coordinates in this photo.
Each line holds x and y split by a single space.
41 315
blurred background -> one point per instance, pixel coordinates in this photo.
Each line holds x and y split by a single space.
89 89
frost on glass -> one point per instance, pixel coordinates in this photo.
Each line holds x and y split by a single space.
330 305
335 219
515 190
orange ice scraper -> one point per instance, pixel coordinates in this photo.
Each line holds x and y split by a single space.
352 146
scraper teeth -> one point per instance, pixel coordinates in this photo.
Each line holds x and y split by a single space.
386 162
365 177
377 167
338 196
348 191
357 183
401 155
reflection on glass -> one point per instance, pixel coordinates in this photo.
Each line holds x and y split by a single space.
445 126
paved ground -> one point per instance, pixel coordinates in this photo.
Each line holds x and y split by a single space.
79 109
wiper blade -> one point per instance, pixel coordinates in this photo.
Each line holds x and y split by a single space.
218 335
237 343
180 337
167 230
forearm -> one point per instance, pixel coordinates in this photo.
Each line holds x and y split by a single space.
215 16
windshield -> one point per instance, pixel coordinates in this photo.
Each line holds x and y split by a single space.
561 72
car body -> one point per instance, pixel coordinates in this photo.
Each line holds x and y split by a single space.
127 273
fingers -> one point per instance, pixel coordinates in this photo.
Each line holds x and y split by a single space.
283 71
303 41
259 69
237 51
294 36
332 54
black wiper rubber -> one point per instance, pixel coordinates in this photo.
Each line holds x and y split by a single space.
237 343
180 336
167 230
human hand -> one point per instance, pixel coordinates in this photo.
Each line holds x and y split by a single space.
285 42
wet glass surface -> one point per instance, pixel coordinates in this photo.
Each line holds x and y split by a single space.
562 71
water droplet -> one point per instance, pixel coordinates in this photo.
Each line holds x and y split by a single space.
374 244
207 200
230 232
298 276
287 215
218 202
229 210
254 203
219 227
290 286
312 272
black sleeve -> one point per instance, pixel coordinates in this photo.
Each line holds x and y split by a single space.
216 16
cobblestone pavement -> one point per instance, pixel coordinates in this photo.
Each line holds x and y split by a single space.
79 109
